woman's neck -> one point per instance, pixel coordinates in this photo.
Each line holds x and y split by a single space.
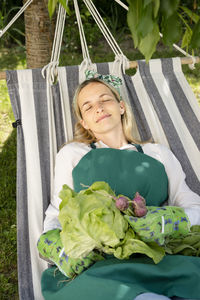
114 141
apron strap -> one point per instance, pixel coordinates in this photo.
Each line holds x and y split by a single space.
93 146
138 147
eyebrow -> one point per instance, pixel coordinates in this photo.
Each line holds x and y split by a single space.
105 94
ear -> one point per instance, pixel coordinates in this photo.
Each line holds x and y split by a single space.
122 107
83 123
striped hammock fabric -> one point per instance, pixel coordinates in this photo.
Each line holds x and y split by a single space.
165 110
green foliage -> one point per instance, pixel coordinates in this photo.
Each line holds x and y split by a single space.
115 18
52 6
168 7
146 18
195 39
170 35
71 38
15 34
188 245
194 17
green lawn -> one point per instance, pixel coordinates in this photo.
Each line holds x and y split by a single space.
9 59
15 59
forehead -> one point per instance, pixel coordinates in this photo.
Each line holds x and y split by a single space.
92 91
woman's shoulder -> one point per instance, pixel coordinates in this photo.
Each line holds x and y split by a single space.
155 146
73 148
157 150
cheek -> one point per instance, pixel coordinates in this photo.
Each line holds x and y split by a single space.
87 121
84 124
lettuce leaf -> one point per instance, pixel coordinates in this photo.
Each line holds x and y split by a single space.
90 220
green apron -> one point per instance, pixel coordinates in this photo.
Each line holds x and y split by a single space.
126 171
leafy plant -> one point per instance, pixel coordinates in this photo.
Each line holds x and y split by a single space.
115 19
148 18
91 220
52 6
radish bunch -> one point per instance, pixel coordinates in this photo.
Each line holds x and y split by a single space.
137 206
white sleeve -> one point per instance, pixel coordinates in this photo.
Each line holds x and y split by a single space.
179 192
62 175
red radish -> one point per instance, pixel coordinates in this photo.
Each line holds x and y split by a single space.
139 205
122 203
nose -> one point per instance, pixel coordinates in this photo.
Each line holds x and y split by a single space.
99 107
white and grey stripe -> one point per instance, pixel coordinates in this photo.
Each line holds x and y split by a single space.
164 108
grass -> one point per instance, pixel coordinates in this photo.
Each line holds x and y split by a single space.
15 59
8 253
9 59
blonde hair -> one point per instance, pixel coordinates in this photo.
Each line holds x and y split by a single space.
86 136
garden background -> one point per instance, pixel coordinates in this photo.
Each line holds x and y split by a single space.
13 56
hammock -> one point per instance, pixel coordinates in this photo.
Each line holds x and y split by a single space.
164 107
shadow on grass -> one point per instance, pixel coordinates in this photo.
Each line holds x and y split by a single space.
8 249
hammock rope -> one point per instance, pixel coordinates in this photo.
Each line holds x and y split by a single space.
22 9
58 33
84 46
103 27
121 60
56 49
50 70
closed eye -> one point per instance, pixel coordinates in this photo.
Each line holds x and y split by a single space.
106 100
88 108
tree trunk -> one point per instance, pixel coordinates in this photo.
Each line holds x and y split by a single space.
39 30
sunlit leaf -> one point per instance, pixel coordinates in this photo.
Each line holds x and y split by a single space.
195 18
186 38
63 2
133 17
187 35
146 22
51 7
156 4
148 44
87 13
171 30
169 7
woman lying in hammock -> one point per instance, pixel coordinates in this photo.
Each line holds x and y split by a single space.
104 150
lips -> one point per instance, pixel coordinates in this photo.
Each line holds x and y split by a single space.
103 117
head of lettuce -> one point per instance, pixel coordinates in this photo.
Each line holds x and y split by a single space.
90 221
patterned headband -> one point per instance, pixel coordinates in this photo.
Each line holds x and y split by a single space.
112 80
